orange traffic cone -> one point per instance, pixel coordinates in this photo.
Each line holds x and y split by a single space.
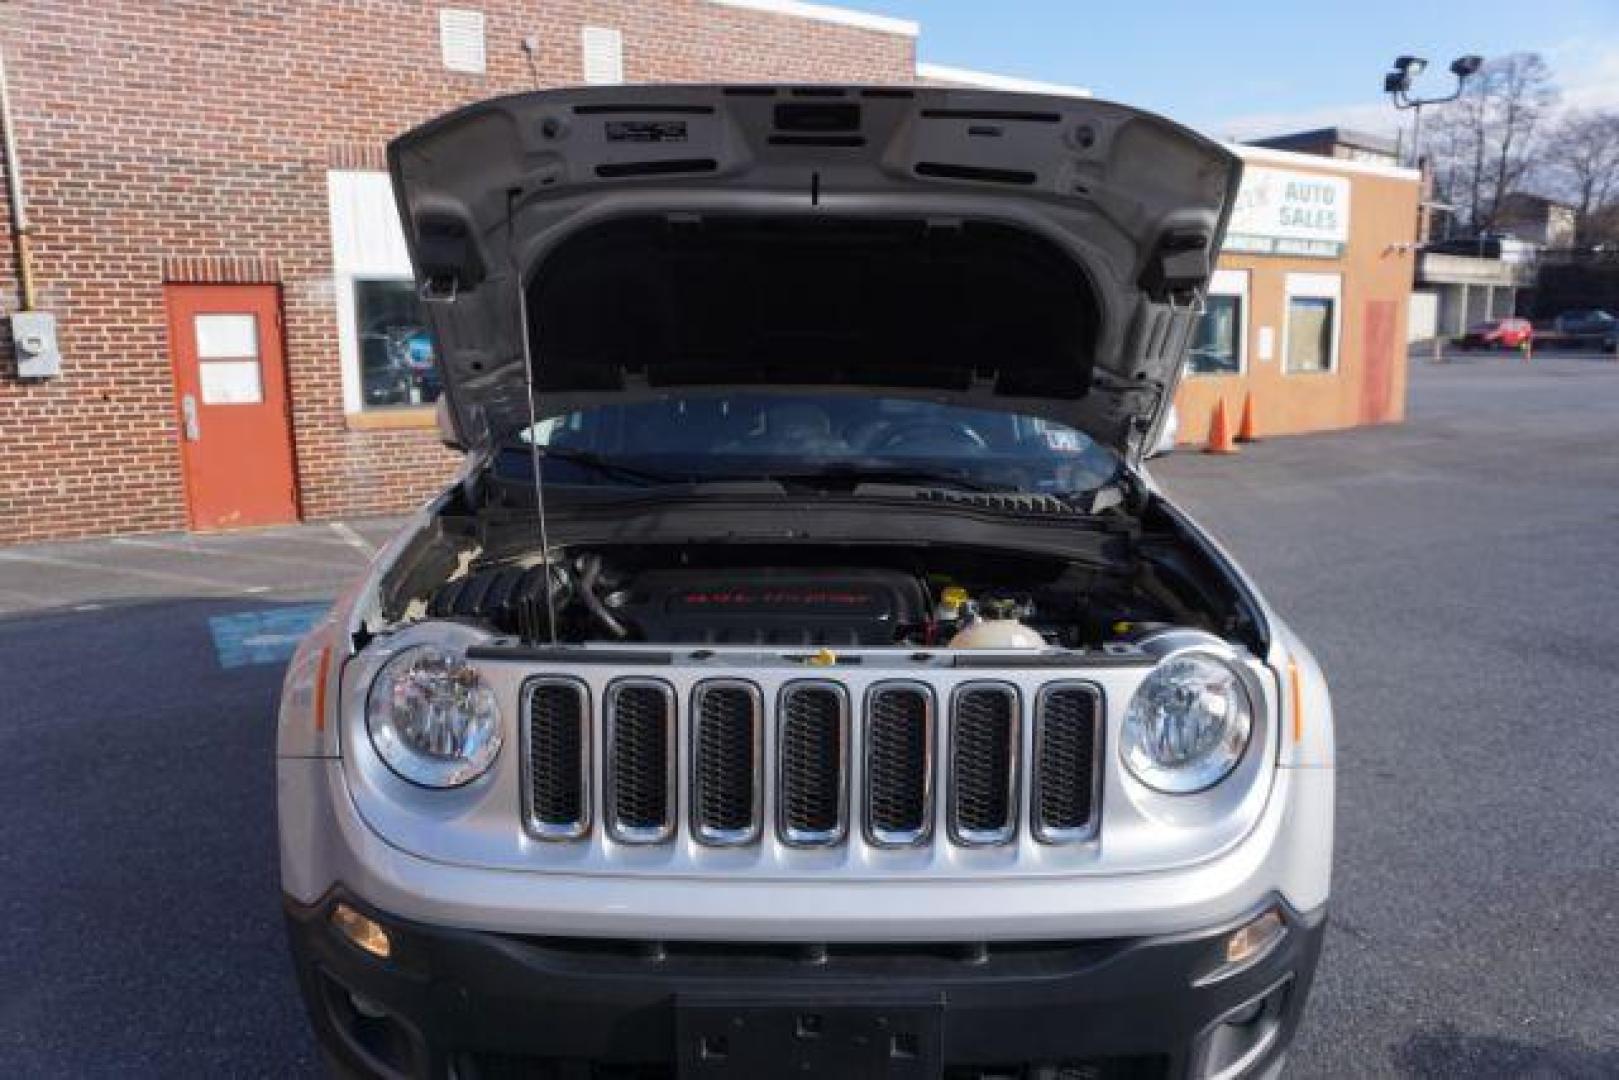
1220 441
1247 429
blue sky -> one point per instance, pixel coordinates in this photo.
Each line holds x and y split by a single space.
1245 68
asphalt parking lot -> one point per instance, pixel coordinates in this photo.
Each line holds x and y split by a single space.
1458 576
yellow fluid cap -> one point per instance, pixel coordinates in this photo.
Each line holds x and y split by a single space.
953 596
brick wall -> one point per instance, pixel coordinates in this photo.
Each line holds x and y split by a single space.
191 138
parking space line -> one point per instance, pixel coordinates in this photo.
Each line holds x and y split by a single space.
303 534
130 571
353 539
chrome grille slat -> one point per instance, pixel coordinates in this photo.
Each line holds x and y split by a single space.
640 761
1066 771
812 754
983 763
899 764
556 789
727 717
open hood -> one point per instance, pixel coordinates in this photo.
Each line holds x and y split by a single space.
1046 255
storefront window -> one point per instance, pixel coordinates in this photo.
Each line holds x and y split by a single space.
1309 333
1217 343
397 365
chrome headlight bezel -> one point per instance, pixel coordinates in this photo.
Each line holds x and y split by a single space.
429 714
1223 690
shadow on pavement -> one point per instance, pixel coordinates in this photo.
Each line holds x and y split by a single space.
138 877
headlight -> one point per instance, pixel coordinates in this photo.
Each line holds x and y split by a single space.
1188 724
432 718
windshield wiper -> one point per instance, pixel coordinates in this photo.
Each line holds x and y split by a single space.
853 476
607 466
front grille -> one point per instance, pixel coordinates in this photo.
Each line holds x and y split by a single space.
640 807
983 764
557 793
899 764
1066 735
794 750
812 736
726 719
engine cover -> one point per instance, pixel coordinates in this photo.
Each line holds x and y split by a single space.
776 607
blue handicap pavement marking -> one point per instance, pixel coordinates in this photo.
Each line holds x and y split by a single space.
262 637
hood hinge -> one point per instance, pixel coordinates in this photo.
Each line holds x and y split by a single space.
1142 421
439 290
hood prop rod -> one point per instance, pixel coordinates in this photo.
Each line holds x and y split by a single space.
534 455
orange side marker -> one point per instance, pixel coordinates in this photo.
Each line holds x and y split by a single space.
321 671
1296 695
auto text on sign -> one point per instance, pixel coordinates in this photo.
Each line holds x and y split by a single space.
1280 212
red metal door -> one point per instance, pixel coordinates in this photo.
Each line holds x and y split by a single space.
230 391
1377 386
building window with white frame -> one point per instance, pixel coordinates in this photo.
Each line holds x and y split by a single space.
383 337
1311 328
1220 340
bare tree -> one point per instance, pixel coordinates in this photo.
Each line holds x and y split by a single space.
1458 142
1487 142
1582 163
1602 228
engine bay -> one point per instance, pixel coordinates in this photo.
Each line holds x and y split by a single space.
823 596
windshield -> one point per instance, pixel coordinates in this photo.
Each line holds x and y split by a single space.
825 440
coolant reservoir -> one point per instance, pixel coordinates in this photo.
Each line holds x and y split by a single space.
998 629
952 602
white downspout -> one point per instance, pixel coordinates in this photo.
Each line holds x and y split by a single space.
19 205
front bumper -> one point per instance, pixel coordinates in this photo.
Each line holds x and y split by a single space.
480 1004
325 844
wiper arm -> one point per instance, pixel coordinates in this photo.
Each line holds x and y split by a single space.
609 467
857 475
833 475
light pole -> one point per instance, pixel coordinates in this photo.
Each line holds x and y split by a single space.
1397 85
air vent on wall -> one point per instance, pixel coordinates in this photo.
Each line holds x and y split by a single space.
460 40
603 55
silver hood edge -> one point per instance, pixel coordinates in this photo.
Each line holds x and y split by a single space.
1089 229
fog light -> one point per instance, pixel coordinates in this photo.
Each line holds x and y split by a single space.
1254 939
1242 1038
365 933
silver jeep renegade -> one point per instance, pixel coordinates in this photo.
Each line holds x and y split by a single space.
803 675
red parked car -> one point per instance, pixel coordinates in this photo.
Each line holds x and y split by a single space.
1497 334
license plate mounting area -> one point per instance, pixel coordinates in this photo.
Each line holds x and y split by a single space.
867 1039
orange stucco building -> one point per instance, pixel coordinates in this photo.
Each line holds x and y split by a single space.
1307 313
